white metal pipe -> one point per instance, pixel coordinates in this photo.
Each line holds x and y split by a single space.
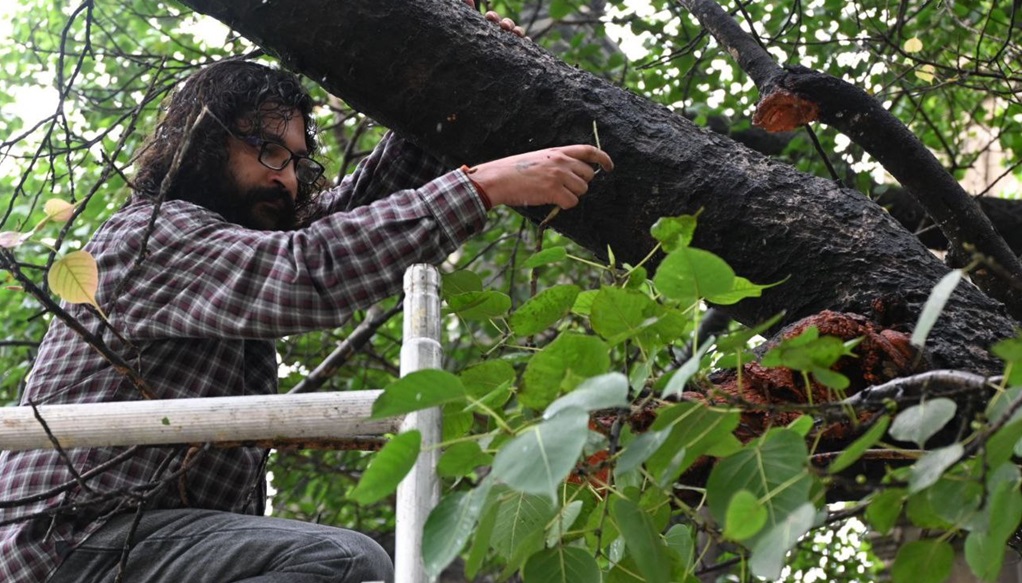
336 415
419 492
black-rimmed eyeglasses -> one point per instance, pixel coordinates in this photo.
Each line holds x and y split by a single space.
277 156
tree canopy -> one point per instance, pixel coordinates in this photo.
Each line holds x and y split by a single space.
600 422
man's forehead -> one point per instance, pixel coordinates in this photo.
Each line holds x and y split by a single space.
275 124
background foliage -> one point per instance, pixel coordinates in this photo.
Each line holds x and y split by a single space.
539 333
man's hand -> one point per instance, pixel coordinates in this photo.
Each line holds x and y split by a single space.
556 176
504 23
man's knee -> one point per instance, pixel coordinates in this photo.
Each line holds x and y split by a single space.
370 562
338 551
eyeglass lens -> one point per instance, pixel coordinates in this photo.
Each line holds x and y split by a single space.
276 156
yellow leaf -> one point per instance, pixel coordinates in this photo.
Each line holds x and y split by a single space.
75 278
58 210
926 73
913 45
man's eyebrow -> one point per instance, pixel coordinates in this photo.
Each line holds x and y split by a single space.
279 139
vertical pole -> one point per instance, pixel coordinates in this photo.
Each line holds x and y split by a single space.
419 492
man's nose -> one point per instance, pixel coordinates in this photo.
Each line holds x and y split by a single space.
287 177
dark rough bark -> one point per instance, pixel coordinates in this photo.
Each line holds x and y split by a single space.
797 95
439 74
1005 214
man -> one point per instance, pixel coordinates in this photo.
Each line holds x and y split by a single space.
223 248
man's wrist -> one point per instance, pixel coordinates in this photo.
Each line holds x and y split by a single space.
487 203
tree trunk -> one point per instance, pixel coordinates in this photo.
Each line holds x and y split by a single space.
439 74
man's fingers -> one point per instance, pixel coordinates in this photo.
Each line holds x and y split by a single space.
590 155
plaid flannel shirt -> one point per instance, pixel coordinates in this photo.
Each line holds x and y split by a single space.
200 314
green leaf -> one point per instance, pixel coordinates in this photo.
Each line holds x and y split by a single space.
745 516
619 314
955 498
1001 402
460 282
461 459
920 512
679 380
418 390
539 459
584 302
934 306
771 547
561 564
521 525
449 527
985 555
680 540
883 509
985 547
674 232
853 452
695 429
637 278
480 305
932 465
774 468
637 452
543 310
561 366
560 8
803 425
484 531
388 467
807 352
740 290
546 257
1010 350
563 522
642 540
625 571
923 561
688 274
920 422
481 379
739 339
1001 445
1004 505
601 392
489 382
831 379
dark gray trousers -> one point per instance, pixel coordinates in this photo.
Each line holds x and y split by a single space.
204 546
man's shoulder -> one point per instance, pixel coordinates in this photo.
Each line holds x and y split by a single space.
143 213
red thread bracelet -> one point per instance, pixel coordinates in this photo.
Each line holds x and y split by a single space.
482 193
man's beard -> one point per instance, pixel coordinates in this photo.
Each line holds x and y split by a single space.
263 208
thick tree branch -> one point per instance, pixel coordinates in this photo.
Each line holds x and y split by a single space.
468 92
794 96
1004 213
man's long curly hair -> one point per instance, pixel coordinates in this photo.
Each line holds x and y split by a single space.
235 93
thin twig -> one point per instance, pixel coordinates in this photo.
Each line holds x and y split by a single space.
60 450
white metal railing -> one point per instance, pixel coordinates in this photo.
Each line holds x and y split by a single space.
293 418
